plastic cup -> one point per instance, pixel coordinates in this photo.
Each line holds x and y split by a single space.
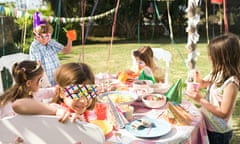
72 35
101 111
193 86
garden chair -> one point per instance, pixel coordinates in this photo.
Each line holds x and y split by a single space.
159 54
44 129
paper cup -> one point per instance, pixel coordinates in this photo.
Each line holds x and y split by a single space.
193 86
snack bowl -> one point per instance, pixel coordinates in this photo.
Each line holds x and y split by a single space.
154 100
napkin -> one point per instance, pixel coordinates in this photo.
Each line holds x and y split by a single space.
174 94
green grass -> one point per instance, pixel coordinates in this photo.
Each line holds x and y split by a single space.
96 55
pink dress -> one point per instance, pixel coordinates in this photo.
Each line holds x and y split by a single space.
41 95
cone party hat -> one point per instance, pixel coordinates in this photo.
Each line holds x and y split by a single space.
174 93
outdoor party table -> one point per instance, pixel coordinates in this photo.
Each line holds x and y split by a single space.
192 134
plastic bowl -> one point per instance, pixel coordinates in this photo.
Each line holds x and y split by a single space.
154 100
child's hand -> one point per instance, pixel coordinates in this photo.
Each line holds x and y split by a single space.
64 115
71 35
195 95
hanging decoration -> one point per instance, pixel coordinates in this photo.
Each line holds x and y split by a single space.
6 11
216 1
193 36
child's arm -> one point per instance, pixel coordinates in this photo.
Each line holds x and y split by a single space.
32 107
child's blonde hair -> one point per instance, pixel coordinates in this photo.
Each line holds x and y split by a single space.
43 28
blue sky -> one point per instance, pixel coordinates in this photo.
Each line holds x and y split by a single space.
29 4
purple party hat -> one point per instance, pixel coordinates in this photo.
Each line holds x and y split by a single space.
38 19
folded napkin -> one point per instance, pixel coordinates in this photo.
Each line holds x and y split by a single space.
174 94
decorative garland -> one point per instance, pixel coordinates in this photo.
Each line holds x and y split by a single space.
6 11
193 36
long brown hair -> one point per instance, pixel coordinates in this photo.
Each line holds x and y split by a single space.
21 72
73 73
145 54
224 52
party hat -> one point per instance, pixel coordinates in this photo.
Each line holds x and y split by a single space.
38 19
174 93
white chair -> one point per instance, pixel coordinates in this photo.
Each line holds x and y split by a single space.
41 129
7 61
159 54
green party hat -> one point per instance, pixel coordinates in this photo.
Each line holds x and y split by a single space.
174 94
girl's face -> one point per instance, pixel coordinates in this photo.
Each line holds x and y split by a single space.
79 106
141 64
33 84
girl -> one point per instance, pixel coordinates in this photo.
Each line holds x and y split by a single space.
27 75
146 65
75 94
222 88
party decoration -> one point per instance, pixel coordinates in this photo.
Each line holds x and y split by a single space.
216 1
38 19
76 91
174 93
6 11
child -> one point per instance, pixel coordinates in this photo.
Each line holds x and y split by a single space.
45 49
146 65
222 88
27 75
75 94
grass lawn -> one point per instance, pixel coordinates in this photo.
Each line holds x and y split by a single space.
96 55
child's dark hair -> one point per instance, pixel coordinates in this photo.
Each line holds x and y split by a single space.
21 72
74 73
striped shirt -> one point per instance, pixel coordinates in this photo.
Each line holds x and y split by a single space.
47 55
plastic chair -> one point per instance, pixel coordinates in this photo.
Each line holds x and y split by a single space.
7 61
43 129
159 54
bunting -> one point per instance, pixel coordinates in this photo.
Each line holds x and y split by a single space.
6 11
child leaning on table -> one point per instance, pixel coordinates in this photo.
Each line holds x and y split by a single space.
27 75
75 94
222 87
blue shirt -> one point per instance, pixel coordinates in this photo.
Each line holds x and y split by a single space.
47 55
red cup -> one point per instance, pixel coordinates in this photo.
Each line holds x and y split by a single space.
72 35
101 111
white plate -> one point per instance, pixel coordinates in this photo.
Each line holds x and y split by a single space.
160 127
119 97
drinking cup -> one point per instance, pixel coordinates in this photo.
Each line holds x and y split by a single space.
72 35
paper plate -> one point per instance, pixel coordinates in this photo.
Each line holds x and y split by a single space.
119 97
105 126
159 128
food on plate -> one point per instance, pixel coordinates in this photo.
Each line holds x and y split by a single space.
153 97
119 98
154 100
140 124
